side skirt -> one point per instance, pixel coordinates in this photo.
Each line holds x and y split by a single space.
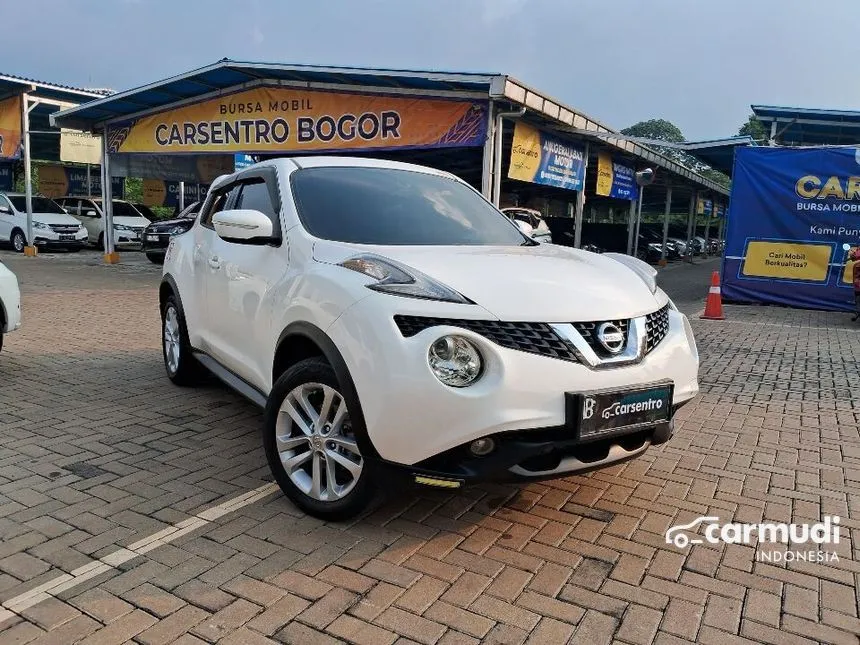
231 380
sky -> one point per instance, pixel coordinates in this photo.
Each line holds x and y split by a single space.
697 63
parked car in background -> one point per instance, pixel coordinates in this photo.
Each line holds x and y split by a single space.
52 226
10 302
156 236
397 327
144 210
540 231
128 223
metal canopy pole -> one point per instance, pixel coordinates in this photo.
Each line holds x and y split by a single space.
708 231
631 224
111 257
666 212
690 215
487 169
580 203
28 178
497 152
181 196
638 221
89 183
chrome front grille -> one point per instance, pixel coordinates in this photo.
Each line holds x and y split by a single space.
588 330
656 328
534 338
64 228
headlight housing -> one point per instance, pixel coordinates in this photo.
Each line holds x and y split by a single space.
41 225
121 227
395 278
645 271
455 361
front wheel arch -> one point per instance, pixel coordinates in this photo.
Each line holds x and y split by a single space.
306 336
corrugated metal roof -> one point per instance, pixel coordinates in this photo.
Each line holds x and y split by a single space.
13 84
719 154
810 126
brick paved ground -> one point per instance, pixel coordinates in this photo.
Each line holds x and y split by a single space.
98 450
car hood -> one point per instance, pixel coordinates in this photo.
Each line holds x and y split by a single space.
128 220
544 283
55 218
169 223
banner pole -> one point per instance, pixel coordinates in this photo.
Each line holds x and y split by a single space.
638 220
30 248
580 202
666 212
631 224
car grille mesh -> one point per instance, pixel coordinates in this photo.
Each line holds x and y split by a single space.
656 328
588 331
534 338
64 228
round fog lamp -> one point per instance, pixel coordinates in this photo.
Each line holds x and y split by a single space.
482 447
455 361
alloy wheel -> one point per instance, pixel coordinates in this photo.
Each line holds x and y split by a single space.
18 242
315 442
172 345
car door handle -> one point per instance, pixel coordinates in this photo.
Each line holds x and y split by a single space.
215 262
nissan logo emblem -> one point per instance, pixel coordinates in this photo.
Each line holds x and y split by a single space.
611 337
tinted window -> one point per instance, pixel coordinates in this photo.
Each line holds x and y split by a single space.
40 204
387 206
256 196
122 209
219 200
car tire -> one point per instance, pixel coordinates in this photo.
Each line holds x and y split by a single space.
155 258
322 450
179 362
18 240
1 341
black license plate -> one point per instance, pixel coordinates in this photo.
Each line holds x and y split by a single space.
65 238
604 413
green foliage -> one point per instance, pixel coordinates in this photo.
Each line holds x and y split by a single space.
655 129
133 189
754 128
716 176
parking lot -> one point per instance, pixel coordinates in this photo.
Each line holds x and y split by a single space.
135 511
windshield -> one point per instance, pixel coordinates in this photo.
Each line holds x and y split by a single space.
398 207
40 204
121 209
144 210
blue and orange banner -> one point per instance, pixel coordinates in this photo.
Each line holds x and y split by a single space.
704 207
59 181
793 219
6 176
10 128
540 158
276 119
615 179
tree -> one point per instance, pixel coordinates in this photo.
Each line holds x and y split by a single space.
754 128
655 129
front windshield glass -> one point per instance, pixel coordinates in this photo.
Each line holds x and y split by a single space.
40 204
121 209
397 207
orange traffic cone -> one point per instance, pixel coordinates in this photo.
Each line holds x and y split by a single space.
714 301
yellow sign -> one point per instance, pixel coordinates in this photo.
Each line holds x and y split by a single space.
53 181
272 119
154 192
787 261
604 174
80 147
10 127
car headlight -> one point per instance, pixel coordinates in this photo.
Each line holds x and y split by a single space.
645 271
395 278
41 225
121 227
655 247
455 361
176 230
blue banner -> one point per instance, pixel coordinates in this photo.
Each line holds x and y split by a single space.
794 217
705 207
242 161
5 176
542 159
615 179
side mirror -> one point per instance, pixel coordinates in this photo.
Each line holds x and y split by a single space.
525 228
243 226
90 214
5 210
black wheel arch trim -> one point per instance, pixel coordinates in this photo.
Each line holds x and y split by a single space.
332 354
169 281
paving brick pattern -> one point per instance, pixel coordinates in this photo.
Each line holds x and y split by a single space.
98 450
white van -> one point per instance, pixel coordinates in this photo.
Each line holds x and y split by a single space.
52 226
128 223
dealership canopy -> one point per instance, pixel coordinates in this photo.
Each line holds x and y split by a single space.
795 126
462 122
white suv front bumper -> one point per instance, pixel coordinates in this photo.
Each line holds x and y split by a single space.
412 417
